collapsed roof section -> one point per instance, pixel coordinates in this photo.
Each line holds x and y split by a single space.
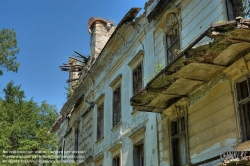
126 22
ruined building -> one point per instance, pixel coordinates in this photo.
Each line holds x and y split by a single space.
170 87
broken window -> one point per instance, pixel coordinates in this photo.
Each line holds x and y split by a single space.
178 141
138 154
243 97
237 8
116 160
100 121
172 38
137 79
116 106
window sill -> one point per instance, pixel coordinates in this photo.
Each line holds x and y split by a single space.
116 126
99 140
134 112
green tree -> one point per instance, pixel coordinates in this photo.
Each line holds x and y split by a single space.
8 49
24 124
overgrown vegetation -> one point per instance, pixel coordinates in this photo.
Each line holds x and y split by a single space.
24 124
158 67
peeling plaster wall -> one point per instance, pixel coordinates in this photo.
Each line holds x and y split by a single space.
132 121
212 123
211 117
163 140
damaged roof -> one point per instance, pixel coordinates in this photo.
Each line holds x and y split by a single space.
196 65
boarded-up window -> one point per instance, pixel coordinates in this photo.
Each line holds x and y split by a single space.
138 155
100 121
137 79
243 96
178 141
172 39
116 106
116 161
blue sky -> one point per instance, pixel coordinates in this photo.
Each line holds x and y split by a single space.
48 32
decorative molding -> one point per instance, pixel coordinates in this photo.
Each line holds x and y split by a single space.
137 59
100 98
177 109
99 140
138 134
98 157
165 17
114 148
118 125
116 81
238 68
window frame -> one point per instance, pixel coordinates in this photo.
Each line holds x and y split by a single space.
135 85
177 136
76 144
234 10
136 148
172 38
243 101
116 111
100 121
114 160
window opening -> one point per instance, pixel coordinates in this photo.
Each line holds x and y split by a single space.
116 106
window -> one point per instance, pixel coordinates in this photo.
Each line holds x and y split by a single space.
59 152
138 155
137 79
116 160
100 121
172 38
237 8
116 106
243 97
178 141
76 145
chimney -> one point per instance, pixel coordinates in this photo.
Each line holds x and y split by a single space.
100 31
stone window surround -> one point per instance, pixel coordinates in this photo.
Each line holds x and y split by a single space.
239 80
133 64
98 102
138 137
173 113
115 84
116 150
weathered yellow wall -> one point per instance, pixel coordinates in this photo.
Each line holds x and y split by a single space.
212 122
163 140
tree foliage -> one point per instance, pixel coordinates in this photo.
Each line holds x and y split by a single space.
24 124
8 49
